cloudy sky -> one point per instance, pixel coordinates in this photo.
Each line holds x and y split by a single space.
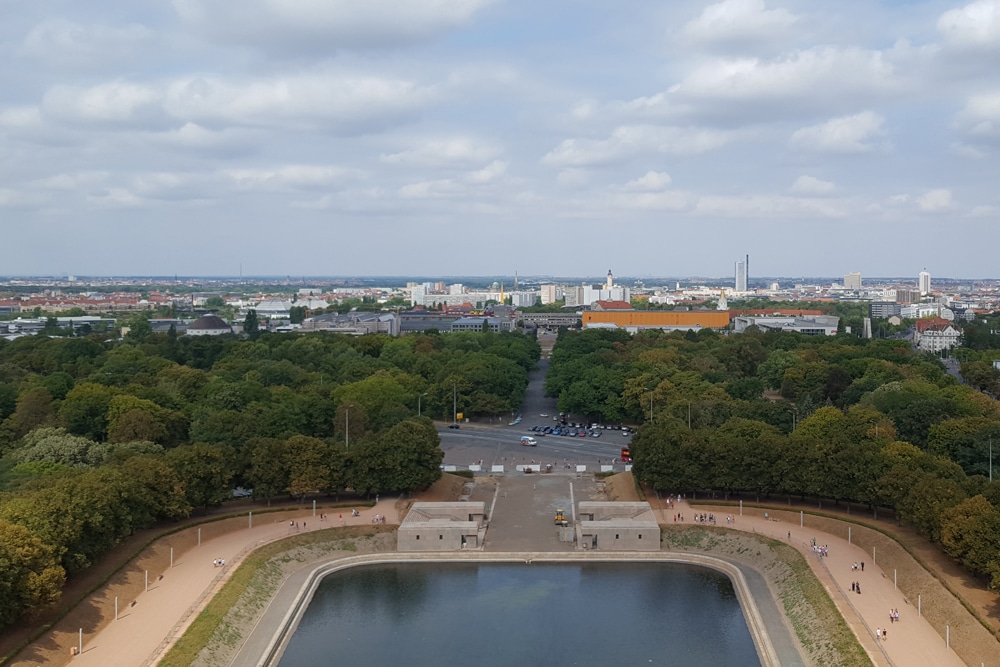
449 137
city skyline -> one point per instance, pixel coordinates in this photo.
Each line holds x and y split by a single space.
464 137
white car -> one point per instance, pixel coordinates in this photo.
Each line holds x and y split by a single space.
544 414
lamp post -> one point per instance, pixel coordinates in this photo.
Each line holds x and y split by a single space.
795 415
418 402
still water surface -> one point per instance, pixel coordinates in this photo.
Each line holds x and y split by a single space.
424 615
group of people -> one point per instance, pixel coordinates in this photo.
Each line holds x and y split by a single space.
219 562
854 567
894 616
856 587
378 518
881 633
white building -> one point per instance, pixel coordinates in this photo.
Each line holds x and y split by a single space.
741 275
936 335
852 281
924 283
551 293
457 288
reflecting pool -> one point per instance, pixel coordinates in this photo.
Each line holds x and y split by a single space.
498 614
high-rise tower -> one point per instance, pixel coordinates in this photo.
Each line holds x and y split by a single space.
741 274
924 283
611 281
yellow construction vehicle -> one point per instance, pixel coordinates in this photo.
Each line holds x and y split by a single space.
561 519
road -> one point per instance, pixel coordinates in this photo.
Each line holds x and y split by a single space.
499 444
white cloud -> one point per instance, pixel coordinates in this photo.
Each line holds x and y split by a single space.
70 44
654 201
112 102
114 198
975 25
626 141
343 102
72 181
984 211
651 181
847 134
573 178
769 206
935 200
980 118
326 24
809 185
826 70
20 117
489 173
435 189
291 177
739 21
443 152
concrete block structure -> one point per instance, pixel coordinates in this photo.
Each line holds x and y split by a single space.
443 527
617 526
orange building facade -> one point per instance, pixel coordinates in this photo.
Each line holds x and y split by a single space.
708 319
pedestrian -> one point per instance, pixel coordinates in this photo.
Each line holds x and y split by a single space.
852 586
859 588
878 633
885 633
789 534
862 566
303 524
341 517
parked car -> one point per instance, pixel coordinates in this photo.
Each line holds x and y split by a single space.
453 426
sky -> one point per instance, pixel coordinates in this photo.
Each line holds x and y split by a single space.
488 137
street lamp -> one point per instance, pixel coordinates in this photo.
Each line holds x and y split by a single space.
418 402
795 416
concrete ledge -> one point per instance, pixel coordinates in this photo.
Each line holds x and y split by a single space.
282 629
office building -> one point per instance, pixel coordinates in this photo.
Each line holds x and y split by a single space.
852 281
924 283
741 274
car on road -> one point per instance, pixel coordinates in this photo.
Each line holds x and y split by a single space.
544 414
453 426
596 434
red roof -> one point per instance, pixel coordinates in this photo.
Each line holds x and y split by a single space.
613 305
935 323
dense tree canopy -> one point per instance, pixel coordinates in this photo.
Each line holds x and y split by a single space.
835 418
101 436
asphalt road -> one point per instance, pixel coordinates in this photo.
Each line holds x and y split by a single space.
499 443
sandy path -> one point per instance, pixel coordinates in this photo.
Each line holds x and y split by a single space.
139 636
910 642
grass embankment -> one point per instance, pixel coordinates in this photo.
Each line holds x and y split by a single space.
221 626
817 623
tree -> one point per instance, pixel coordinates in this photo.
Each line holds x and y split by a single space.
30 575
296 314
268 468
215 302
405 458
34 408
308 464
85 408
206 471
251 325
